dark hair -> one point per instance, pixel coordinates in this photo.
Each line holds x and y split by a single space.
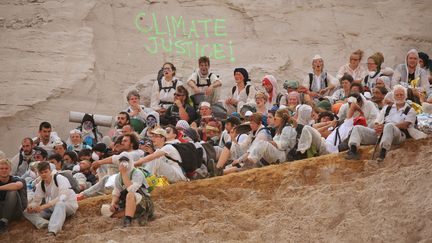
64 145
133 93
42 151
244 73
28 139
133 139
127 116
173 68
357 96
347 77
235 121
84 152
357 85
175 131
56 157
183 90
324 114
72 155
44 125
383 90
118 140
43 165
204 59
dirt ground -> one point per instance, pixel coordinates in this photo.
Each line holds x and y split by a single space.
320 199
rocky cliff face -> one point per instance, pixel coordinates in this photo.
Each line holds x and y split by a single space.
58 56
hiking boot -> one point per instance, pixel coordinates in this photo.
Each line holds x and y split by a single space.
127 221
352 153
51 234
3 226
382 155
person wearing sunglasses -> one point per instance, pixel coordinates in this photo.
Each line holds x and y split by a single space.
180 110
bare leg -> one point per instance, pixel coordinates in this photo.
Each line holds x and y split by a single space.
130 204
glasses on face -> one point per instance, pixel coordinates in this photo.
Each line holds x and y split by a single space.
354 59
167 69
177 94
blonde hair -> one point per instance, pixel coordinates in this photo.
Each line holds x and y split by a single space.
261 94
6 162
359 53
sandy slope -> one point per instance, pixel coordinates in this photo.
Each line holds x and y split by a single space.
324 199
57 56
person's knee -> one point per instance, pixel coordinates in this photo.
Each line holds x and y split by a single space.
12 194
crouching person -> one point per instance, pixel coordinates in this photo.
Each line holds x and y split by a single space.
60 201
393 125
13 195
130 194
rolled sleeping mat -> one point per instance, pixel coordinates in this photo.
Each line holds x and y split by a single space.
100 120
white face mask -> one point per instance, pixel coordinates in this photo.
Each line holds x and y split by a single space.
95 157
372 73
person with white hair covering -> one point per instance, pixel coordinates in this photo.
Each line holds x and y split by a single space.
411 75
319 82
75 141
271 87
393 125
304 115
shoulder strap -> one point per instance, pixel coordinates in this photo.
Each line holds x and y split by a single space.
310 81
387 112
208 79
55 182
325 81
278 99
366 79
160 84
233 89
248 89
175 83
407 109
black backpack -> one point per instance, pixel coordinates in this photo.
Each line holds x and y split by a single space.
311 80
167 89
407 109
292 154
247 89
190 155
208 83
68 174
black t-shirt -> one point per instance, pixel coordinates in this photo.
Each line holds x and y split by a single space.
411 77
11 180
172 115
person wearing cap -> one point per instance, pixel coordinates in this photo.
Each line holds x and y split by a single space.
274 96
157 163
76 141
181 126
46 137
212 132
243 92
180 110
319 82
291 85
204 81
412 76
21 161
205 115
354 67
152 120
129 192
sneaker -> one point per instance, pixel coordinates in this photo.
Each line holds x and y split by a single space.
382 155
127 221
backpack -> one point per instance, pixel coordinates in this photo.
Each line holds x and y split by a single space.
278 99
292 154
248 85
167 89
407 109
68 174
208 83
259 130
210 153
150 180
190 155
311 80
